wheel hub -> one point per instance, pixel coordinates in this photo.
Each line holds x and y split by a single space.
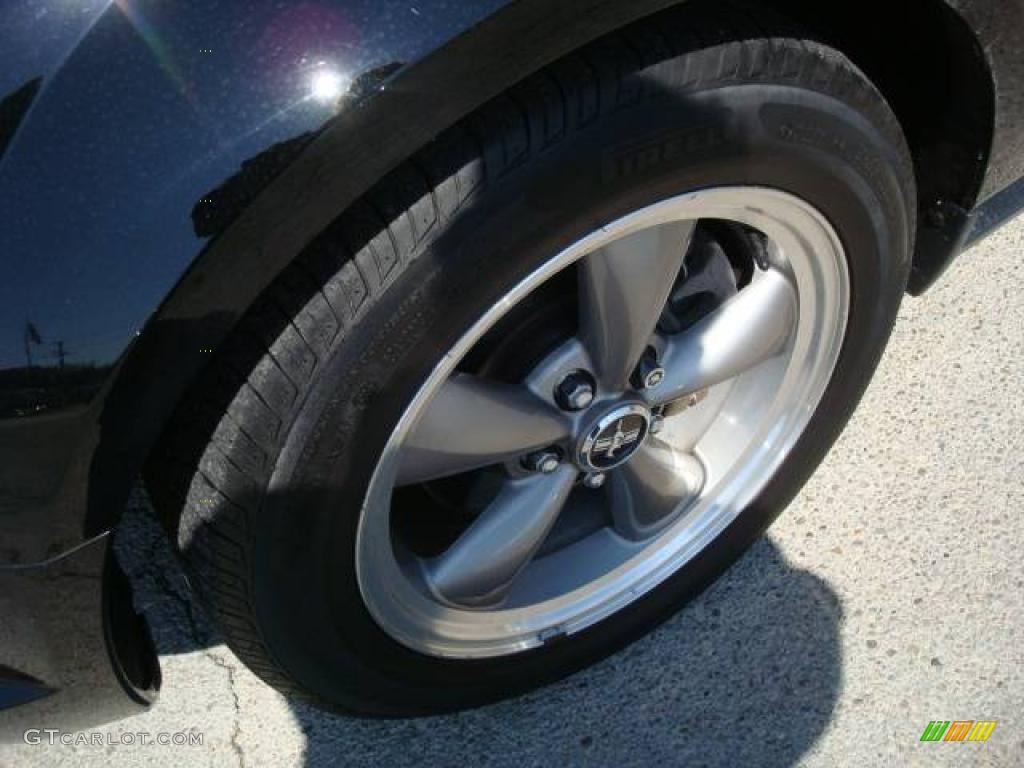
614 437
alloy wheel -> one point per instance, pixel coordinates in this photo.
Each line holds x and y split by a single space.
630 444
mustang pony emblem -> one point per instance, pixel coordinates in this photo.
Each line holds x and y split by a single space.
609 445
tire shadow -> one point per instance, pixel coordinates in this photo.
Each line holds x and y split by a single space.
747 674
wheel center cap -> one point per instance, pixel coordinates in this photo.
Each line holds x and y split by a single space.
614 437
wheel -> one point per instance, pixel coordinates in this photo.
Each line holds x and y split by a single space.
552 375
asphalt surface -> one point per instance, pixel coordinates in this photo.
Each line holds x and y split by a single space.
888 595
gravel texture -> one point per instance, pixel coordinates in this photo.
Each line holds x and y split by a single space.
888 595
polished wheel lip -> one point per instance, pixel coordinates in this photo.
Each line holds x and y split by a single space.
811 252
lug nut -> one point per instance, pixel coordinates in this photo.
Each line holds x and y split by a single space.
594 480
576 391
657 423
545 461
648 373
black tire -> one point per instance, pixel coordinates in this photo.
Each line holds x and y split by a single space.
272 456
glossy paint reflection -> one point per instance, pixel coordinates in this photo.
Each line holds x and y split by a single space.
144 108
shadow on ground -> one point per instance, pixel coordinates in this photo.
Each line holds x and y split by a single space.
748 674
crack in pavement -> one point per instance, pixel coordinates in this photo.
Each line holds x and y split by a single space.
162 593
236 730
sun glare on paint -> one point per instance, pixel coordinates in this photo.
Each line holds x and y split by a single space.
326 85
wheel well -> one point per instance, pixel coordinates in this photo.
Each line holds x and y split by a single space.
928 64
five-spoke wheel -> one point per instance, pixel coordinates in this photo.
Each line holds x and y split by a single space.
694 363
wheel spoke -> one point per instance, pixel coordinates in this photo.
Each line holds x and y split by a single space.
646 490
481 565
747 330
623 289
472 422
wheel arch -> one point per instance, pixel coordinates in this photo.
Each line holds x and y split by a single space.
362 145
353 151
